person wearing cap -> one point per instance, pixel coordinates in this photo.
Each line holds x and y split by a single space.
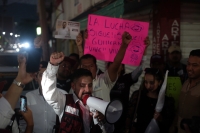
157 62
64 74
175 67
44 116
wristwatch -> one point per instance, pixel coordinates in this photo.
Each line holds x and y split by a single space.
19 84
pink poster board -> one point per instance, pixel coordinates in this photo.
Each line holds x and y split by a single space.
105 37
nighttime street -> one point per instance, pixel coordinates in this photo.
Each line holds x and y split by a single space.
99 66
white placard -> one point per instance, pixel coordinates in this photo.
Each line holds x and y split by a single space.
67 29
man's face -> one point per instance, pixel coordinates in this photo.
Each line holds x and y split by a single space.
64 70
64 24
90 65
193 67
82 86
175 57
39 76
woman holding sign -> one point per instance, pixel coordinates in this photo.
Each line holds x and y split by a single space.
142 105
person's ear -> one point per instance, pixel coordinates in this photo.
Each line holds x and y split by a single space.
73 86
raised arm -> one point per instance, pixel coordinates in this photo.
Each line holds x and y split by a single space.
113 68
138 71
14 90
53 96
79 42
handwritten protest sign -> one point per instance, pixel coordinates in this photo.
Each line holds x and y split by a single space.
105 37
67 29
173 88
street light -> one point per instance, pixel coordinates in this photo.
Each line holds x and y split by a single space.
38 31
17 49
3 33
15 35
25 45
11 34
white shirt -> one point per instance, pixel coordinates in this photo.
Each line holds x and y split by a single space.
6 113
102 86
57 99
65 31
44 116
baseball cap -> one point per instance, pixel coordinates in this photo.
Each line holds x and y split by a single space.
156 58
174 48
71 61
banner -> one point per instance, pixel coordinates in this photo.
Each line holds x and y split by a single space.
166 26
174 86
67 29
105 38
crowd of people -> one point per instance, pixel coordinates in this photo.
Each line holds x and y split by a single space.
63 82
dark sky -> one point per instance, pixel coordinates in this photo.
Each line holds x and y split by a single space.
20 9
31 2
24 15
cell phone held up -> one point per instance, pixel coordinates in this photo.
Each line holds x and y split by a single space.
23 103
33 57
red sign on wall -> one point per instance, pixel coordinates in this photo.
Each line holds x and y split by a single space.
166 26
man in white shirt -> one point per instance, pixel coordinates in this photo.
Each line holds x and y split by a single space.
73 114
103 83
64 30
43 114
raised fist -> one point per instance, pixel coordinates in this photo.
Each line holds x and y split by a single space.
79 40
38 42
56 58
22 75
126 38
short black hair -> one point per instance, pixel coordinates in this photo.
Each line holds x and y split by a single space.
75 55
155 72
195 52
87 56
80 73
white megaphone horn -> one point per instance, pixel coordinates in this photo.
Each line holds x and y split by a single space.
111 110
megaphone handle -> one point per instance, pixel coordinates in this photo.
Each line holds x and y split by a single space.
102 127
94 113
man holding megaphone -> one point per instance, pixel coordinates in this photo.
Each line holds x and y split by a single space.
75 117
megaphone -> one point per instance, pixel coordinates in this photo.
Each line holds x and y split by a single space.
111 110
